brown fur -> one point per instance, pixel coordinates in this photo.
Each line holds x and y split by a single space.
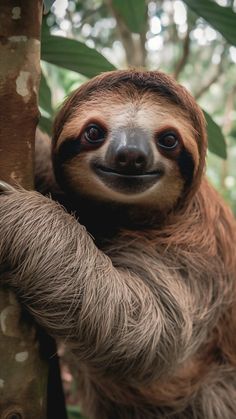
148 312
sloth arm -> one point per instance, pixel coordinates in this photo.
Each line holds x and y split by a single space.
114 323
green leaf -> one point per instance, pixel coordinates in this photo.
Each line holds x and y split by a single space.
133 12
45 124
216 140
47 5
74 412
45 99
73 55
223 19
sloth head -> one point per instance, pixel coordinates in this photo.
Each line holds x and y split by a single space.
130 137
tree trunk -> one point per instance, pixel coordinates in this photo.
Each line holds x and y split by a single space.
23 374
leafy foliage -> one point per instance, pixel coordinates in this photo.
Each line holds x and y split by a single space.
223 19
73 55
45 99
47 5
216 140
133 12
74 412
45 124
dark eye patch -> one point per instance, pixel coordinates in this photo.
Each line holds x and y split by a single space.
68 149
186 165
175 150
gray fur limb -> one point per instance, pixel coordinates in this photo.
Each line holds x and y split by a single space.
73 290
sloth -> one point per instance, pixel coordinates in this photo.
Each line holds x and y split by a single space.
131 260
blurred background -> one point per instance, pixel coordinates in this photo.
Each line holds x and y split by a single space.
195 41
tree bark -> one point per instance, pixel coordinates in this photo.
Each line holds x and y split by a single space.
23 373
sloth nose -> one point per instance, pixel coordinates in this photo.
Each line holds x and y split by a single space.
129 152
130 159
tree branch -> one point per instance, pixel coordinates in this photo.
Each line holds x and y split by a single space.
212 80
183 60
134 47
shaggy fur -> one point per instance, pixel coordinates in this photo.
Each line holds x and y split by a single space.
148 312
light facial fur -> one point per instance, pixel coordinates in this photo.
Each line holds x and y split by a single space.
147 111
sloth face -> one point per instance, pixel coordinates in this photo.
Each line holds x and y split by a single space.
128 147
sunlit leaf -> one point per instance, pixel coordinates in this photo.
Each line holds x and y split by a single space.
73 55
45 101
223 19
216 140
133 13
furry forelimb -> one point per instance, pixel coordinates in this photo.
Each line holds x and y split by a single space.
112 320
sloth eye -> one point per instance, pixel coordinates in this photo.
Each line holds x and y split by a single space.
94 133
168 140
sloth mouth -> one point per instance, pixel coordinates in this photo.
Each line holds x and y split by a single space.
130 174
128 182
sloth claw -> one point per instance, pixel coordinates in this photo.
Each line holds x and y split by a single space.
5 187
